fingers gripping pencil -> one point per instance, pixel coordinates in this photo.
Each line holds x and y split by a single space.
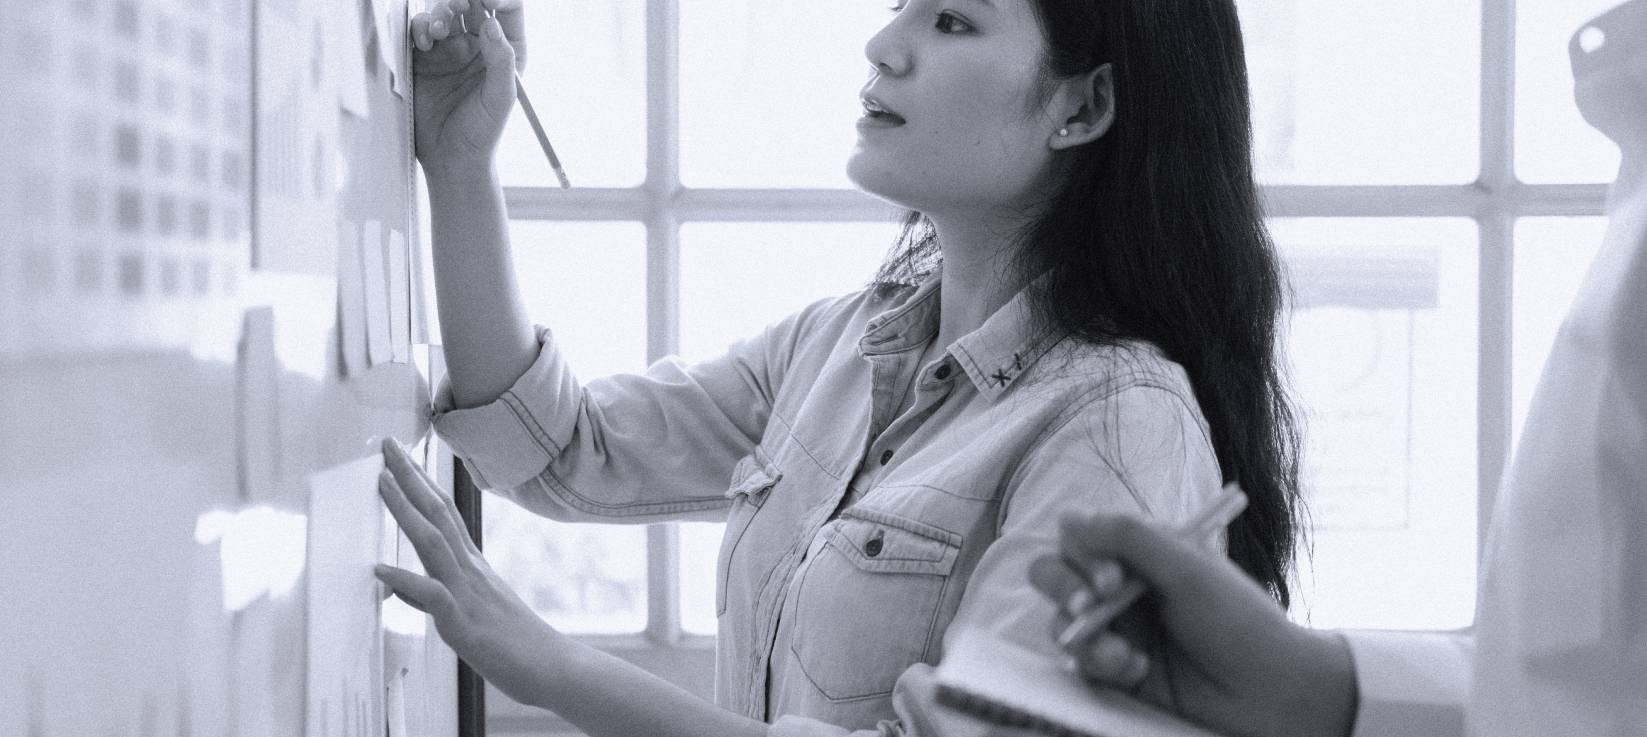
537 125
1218 513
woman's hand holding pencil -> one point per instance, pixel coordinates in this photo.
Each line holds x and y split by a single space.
1154 612
463 69
466 67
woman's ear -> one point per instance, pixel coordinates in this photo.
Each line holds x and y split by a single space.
1086 105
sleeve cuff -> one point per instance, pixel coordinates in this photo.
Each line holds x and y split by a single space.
1409 682
511 440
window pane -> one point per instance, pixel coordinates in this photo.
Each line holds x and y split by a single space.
737 278
587 281
1323 94
1553 143
700 546
582 579
1551 258
769 90
1383 349
581 51
1334 98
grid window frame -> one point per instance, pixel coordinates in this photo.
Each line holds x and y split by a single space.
1495 201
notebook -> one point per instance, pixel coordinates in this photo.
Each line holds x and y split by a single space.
1003 682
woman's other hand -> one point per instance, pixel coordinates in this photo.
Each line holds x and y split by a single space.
464 81
1206 642
476 613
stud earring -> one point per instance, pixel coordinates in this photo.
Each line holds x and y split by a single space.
1063 131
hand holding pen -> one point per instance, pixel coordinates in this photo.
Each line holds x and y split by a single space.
465 82
1092 616
1209 643
537 126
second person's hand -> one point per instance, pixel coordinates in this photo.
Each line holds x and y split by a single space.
464 82
1206 642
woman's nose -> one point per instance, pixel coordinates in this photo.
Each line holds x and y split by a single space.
886 51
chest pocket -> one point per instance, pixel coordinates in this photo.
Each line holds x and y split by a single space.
867 607
752 479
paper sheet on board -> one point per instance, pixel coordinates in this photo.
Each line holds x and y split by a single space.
297 139
345 671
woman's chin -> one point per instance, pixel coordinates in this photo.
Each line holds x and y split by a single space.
876 181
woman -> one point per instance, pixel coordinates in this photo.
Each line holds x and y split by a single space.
1080 318
1558 645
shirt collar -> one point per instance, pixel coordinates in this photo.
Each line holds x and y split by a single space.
993 356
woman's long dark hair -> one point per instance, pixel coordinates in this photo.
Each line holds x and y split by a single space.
1156 234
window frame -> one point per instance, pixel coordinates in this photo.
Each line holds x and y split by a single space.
1495 201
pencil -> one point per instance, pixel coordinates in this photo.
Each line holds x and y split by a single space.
543 138
537 125
1217 514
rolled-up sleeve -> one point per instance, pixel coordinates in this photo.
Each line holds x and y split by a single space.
510 440
1410 683
627 448
1140 451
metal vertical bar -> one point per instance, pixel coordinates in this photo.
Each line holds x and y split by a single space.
1496 280
471 689
662 276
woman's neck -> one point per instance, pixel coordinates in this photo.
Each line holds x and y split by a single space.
976 274
1631 184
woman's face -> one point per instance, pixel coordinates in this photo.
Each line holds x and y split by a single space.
957 81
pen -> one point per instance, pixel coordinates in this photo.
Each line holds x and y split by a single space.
1217 514
537 126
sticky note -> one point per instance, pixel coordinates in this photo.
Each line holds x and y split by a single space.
400 306
346 46
257 399
396 705
425 326
351 300
399 46
379 349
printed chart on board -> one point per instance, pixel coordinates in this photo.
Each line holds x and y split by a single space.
128 208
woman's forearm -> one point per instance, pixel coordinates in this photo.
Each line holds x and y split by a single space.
488 339
605 696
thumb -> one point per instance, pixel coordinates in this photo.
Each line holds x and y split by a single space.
1177 569
499 56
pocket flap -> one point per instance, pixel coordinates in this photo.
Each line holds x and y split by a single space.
881 541
754 475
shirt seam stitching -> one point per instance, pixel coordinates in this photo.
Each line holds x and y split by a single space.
1131 382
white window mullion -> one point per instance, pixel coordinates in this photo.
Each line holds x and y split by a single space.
1497 260
663 620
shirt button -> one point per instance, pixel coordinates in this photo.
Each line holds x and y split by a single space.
873 547
886 457
942 372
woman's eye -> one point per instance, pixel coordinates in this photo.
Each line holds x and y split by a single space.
950 23
896 7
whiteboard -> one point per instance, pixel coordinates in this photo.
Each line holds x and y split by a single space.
190 386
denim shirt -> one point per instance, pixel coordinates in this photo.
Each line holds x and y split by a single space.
855 540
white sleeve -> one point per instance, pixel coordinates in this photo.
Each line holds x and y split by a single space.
1411 684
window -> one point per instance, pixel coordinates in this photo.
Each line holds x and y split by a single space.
1431 186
